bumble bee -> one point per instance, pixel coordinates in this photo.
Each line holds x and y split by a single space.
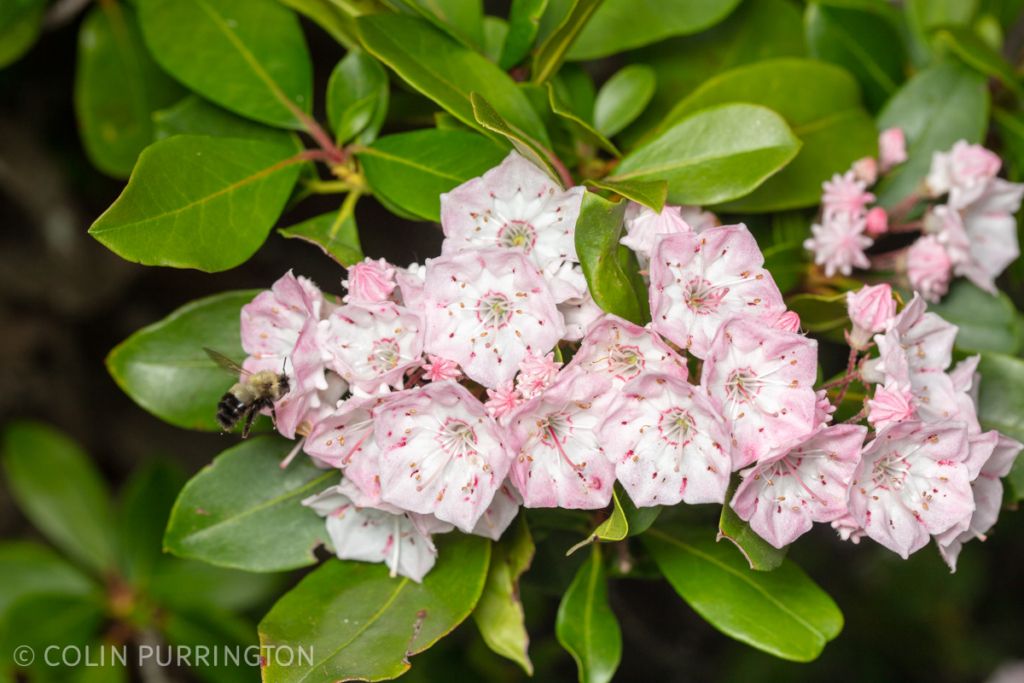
246 398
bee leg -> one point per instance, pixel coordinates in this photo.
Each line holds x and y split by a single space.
273 414
249 417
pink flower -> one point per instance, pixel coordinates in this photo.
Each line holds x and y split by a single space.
503 401
441 369
410 284
916 342
513 206
990 227
370 282
870 309
912 483
536 373
667 441
643 226
787 322
845 194
371 346
344 439
838 243
486 310
823 409
963 172
784 494
891 404
698 219
579 314
440 453
892 148
499 515
876 222
272 322
621 351
699 281
929 268
848 529
762 381
558 460
865 170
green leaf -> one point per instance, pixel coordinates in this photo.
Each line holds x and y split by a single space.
862 39
20 24
552 51
1010 126
461 19
623 24
145 505
426 59
651 194
363 624
199 202
1000 401
755 31
495 34
614 528
714 155
411 170
248 56
965 44
783 612
243 511
638 520
499 613
828 119
211 587
937 107
192 115
27 568
787 263
611 269
42 621
489 119
58 489
580 127
623 98
118 86
334 18
523 22
986 322
164 369
761 555
819 312
335 233
357 98
220 632
586 626
922 16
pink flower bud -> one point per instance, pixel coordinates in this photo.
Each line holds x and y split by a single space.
890 405
370 282
788 321
870 308
892 148
929 268
877 222
866 169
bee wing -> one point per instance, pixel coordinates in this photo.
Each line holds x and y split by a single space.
225 362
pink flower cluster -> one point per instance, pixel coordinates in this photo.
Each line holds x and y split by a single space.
972 234
451 393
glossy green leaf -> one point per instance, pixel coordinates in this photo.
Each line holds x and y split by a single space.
461 19
189 631
623 24
357 98
192 115
533 149
164 369
248 56
333 17
1010 126
118 86
243 510
199 202
651 194
611 269
714 155
861 39
28 568
58 489
523 22
787 263
20 24
495 34
499 614
210 587
923 16
145 505
986 322
1001 405
759 553
335 233
552 51
427 59
411 170
829 120
575 88
586 626
584 131
623 98
937 107
965 44
43 620
638 520
363 624
756 31
614 528
819 312
783 612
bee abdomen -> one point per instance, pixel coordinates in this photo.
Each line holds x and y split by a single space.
229 411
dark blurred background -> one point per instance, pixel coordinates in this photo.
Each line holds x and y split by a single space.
65 302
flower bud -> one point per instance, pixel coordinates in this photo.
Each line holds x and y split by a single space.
866 169
870 308
929 268
370 282
892 148
877 222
